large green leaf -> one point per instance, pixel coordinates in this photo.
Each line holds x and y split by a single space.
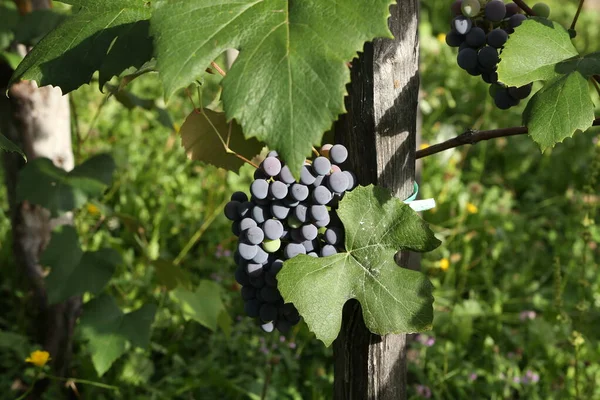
204 305
73 271
110 331
108 36
393 299
287 85
204 135
559 109
564 105
533 51
41 182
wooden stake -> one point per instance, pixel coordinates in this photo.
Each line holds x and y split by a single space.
379 131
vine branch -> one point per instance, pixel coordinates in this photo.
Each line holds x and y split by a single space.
471 136
525 7
576 17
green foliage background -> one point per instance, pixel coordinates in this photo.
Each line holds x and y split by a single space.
518 300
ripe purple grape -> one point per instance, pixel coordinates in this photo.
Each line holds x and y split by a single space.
497 38
278 190
321 166
495 10
271 166
338 182
273 229
338 154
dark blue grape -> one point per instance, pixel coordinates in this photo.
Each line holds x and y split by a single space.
476 37
309 232
278 190
254 235
454 39
248 292
260 213
232 210
293 249
321 166
328 250
273 229
321 195
270 294
271 166
254 270
247 251
462 25
495 10
259 189
252 307
306 176
338 182
467 58
247 223
299 192
497 38
279 210
338 154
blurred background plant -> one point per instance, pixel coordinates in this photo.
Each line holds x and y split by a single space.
517 287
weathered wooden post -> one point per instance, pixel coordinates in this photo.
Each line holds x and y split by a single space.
379 131
38 119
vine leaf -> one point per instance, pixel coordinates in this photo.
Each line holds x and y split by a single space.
525 61
7 145
393 299
287 85
204 305
559 109
203 134
108 36
73 270
564 105
42 183
110 331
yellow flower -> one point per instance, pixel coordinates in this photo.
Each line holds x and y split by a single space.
472 208
93 209
39 358
444 264
441 37
423 146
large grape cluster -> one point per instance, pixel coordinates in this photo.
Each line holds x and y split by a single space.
480 28
281 219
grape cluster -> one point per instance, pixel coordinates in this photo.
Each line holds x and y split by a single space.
480 28
284 218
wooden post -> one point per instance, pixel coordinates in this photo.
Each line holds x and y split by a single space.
379 131
38 119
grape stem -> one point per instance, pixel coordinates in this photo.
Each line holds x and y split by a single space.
218 68
316 152
576 17
471 136
525 7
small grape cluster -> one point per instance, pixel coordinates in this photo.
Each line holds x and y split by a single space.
480 28
284 218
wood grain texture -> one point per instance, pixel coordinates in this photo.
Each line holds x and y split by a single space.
380 132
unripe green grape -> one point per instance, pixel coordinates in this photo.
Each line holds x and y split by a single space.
541 10
470 8
271 246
